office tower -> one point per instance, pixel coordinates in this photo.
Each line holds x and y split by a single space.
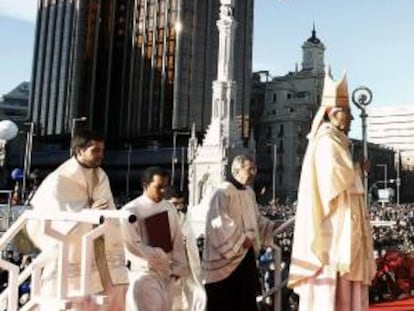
392 127
135 68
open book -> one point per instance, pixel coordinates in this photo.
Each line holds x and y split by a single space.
158 231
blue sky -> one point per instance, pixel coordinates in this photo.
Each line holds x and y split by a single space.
371 39
17 23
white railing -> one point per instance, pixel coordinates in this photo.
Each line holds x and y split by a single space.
63 300
97 217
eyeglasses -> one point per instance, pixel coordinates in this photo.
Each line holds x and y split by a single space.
251 169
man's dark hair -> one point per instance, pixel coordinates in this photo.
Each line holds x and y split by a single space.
174 192
149 174
82 138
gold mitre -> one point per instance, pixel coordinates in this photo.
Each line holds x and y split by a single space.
334 95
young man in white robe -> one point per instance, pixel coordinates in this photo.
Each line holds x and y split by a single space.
153 271
235 230
77 184
332 261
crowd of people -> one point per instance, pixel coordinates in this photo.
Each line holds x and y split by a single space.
393 236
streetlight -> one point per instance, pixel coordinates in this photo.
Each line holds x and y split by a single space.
274 162
73 129
385 179
398 181
174 159
268 75
182 169
27 157
128 169
178 29
385 174
259 108
274 174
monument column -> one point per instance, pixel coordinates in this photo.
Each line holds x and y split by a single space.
209 162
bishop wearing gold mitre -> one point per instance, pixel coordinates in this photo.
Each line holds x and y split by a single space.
332 261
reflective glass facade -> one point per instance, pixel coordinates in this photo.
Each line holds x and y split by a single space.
134 68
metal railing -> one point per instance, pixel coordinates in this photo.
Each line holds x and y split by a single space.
6 214
279 284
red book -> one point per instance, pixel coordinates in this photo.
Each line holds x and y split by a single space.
158 231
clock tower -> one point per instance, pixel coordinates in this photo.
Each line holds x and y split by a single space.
313 54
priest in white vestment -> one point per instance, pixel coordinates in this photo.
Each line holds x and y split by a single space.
332 261
77 184
153 271
235 231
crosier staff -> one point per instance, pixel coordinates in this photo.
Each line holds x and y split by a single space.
362 97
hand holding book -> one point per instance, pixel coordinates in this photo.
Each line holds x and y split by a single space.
158 231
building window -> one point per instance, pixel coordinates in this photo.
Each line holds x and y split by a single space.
300 95
269 132
281 131
300 130
298 160
281 149
274 98
289 96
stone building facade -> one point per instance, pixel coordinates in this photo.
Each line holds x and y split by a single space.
289 104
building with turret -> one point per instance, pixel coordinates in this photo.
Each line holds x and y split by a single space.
290 103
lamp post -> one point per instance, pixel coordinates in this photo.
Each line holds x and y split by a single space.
259 109
27 157
362 97
274 174
385 174
178 29
128 170
73 129
268 75
385 180
182 169
174 158
398 181
274 151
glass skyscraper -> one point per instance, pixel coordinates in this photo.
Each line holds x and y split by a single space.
135 68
